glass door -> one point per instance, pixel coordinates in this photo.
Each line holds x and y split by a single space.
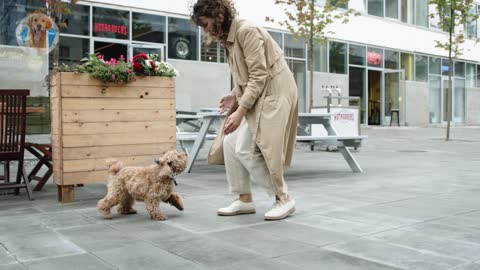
391 99
159 49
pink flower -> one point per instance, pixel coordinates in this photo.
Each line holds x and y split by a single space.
113 76
122 58
99 56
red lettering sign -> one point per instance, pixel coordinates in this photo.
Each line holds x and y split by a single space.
110 28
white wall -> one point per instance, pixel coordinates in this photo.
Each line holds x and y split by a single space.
472 108
415 104
200 84
322 81
364 29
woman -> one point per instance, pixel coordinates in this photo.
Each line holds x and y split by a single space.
261 127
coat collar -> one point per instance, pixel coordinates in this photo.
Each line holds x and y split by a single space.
232 31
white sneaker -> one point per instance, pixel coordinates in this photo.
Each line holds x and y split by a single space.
281 210
236 208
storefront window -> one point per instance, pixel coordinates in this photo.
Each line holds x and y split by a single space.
435 99
435 19
338 57
320 54
435 65
391 9
356 88
110 50
110 23
77 22
407 11
478 76
459 69
375 7
298 68
72 50
277 37
459 101
356 55
374 57
148 27
12 13
391 59
293 47
421 13
406 63
445 67
471 25
212 52
478 22
470 75
421 68
182 39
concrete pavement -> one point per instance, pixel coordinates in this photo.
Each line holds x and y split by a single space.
416 206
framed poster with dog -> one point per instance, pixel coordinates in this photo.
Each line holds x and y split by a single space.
37 31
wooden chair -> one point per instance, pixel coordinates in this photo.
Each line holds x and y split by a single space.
13 115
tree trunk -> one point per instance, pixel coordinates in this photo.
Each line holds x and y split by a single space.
310 66
450 71
310 56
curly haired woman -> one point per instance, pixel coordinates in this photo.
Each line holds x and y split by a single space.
261 127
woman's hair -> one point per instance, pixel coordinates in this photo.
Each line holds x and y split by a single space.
213 9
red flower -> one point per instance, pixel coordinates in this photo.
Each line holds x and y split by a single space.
152 64
137 67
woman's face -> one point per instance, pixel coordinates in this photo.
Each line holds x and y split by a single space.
208 25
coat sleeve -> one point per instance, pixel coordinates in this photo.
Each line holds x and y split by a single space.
252 44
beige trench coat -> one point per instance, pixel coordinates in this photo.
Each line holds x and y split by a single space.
264 84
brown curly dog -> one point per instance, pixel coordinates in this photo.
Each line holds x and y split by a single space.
151 184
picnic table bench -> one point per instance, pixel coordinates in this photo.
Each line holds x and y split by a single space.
206 119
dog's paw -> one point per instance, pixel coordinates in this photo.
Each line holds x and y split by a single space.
175 200
105 214
127 211
159 217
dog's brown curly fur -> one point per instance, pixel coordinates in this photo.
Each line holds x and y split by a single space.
150 184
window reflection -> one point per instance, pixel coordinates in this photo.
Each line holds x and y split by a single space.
182 39
148 27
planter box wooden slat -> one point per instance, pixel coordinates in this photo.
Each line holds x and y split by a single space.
114 151
91 122
117 91
118 116
151 127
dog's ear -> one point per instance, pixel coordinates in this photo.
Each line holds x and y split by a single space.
30 20
48 21
165 169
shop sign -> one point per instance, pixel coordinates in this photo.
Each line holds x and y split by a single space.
110 28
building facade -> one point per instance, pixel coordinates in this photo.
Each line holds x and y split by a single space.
386 57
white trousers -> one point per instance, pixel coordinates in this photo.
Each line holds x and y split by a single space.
245 162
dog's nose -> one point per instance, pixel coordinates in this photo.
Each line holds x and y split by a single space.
39 27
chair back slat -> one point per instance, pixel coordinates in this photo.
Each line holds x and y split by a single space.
13 110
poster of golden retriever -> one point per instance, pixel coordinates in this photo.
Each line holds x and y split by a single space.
38 25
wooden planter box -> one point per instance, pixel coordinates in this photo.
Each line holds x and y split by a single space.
91 121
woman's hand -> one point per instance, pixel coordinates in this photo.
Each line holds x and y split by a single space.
227 102
234 120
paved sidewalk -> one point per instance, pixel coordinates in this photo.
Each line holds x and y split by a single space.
416 206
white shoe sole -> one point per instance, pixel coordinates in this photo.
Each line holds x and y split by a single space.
243 212
281 217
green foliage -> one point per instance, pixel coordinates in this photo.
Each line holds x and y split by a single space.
57 9
452 14
122 71
112 71
308 21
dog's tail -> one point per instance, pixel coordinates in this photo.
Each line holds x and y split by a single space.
113 165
